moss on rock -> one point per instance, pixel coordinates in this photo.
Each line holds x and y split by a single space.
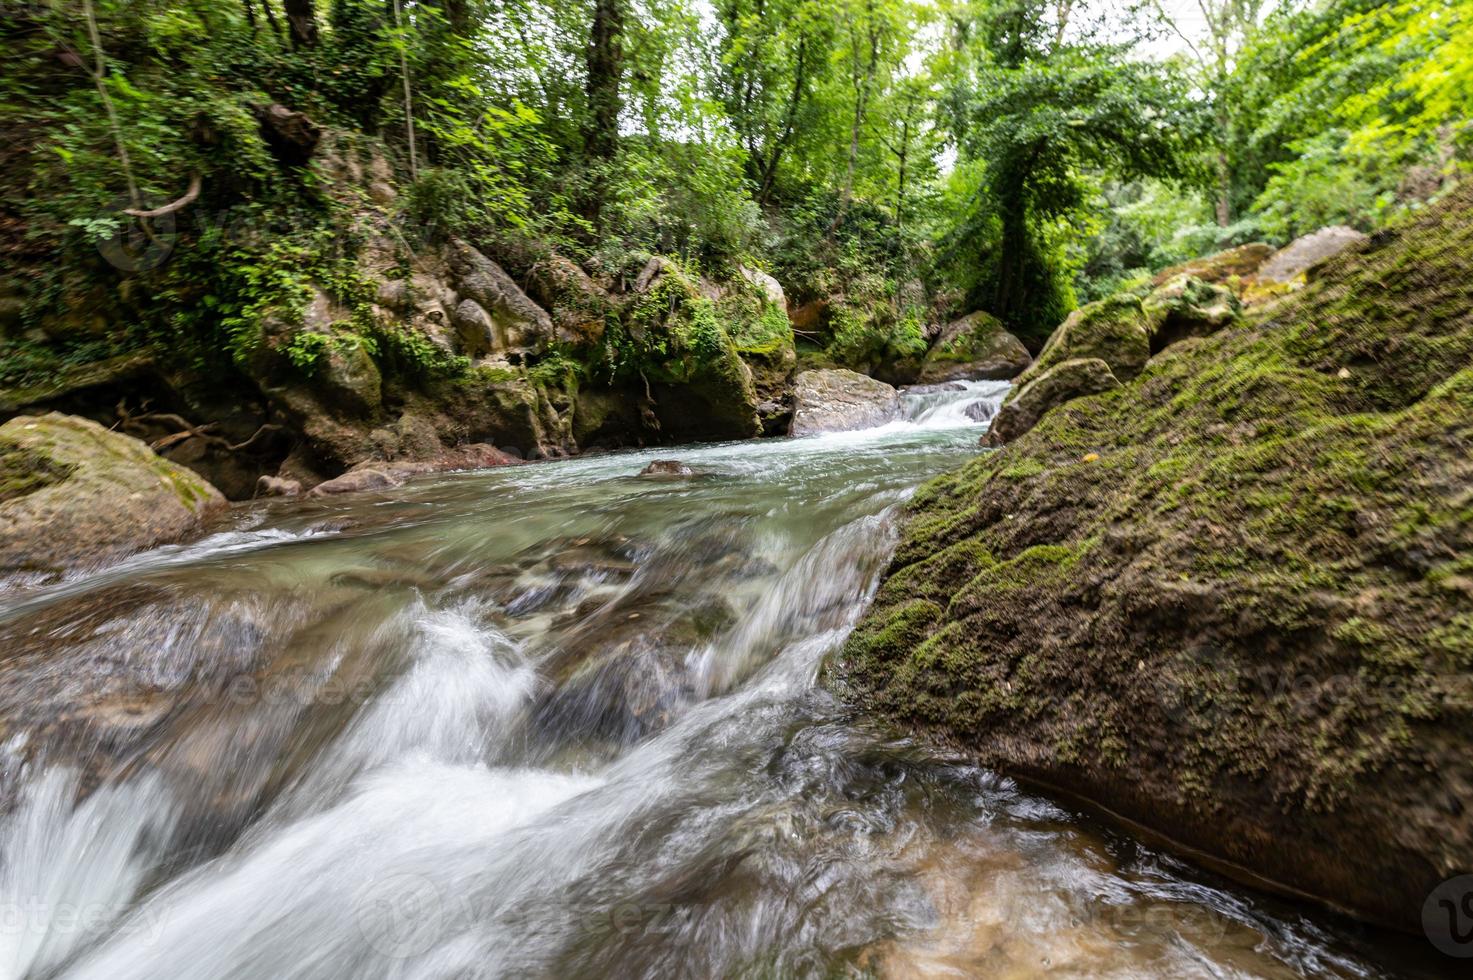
1229 599
73 493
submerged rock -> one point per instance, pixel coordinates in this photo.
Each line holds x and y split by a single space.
667 468
975 347
836 400
1230 600
73 493
387 475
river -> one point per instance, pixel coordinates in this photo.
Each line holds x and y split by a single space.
553 720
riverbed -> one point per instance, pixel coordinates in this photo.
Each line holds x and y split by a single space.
555 720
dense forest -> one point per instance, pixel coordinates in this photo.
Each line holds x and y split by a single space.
892 163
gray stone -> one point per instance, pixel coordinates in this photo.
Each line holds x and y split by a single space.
835 400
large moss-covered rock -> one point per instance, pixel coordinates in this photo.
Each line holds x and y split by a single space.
1230 267
1061 383
1185 306
975 347
1232 600
74 494
673 342
1115 330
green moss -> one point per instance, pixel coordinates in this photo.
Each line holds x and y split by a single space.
1263 579
23 471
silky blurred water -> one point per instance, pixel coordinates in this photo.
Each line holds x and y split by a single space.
554 720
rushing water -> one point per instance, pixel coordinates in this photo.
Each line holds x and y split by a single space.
553 720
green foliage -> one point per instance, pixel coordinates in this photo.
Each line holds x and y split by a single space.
1033 118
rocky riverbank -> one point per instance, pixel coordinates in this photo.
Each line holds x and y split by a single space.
1224 591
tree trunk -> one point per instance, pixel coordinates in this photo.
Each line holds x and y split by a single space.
271 19
1224 190
457 15
301 20
795 101
605 74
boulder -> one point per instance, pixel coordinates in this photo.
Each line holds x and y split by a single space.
73 494
578 305
1223 268
1063 382
836 400
1115 330
975 347
1307 251
1230 603
770 288
475 332
349 379
519 323
1185 306
291 136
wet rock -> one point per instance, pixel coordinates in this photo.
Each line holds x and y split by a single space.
391 474
1061 383
275 486
623 673
1151 607
667 468
975 347
836 400
1307 251
73 493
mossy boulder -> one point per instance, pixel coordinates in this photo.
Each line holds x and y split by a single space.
1230 267
579 306
974 347
1230 601
1061 383
1185 306
672 341
1115 330
73 494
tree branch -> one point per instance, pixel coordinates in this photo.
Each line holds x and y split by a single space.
190 194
